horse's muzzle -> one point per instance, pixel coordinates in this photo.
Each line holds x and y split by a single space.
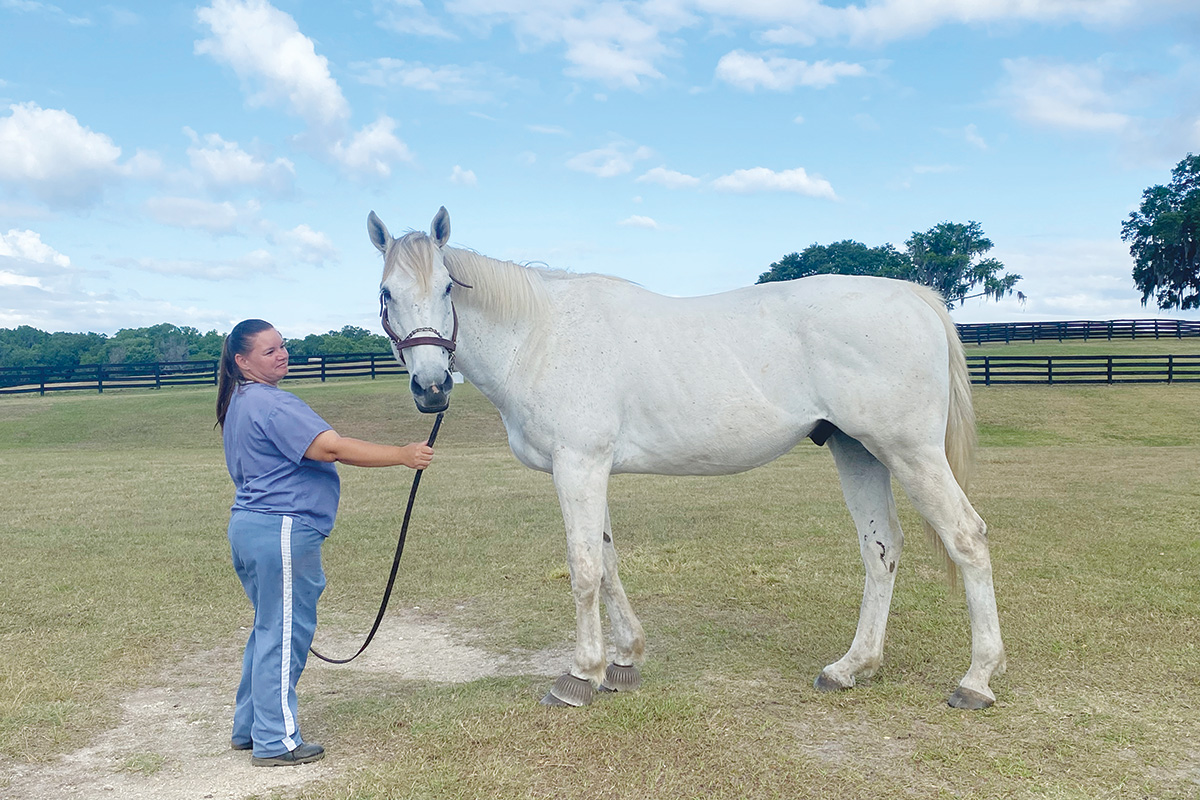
432 398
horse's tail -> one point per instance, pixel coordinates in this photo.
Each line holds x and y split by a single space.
960 422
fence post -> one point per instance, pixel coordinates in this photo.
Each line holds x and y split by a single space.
372 366
100 378
1050 370
1170 368
987 370
157 375
1110 369
42 370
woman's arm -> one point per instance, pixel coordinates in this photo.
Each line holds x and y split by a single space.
329 446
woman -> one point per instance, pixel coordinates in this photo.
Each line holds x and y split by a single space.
281 457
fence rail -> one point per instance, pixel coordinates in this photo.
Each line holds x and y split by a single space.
156 375
981 333
994 370
986 370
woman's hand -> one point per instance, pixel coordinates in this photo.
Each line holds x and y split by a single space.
418 455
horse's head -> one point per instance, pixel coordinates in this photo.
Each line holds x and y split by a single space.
416 307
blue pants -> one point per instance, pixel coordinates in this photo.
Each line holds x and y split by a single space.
278 560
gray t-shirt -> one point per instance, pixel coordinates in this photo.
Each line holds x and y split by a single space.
266 432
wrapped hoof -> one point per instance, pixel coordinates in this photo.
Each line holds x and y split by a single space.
621 678
969 700
824 683
569 691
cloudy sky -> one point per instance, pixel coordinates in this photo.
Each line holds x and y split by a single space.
202 163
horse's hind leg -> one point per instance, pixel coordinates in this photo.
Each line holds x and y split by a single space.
628 639
867 487
930 485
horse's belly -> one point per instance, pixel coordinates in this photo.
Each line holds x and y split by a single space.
694 448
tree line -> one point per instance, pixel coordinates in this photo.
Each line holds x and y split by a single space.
27 346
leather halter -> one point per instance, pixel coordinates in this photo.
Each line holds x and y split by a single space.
412 340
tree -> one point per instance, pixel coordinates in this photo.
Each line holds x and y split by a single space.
948 257
846 257
1164 239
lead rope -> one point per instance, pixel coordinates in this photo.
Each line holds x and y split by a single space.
387 593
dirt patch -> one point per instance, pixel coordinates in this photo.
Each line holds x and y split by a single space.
173 739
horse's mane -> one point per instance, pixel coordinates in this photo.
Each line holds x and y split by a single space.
503 289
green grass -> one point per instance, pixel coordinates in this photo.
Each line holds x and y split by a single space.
114 520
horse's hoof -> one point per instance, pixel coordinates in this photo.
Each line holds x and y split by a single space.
824 683
969 700
621 678
569 691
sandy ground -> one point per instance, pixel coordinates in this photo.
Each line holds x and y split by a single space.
173 739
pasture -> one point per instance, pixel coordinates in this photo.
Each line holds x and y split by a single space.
115 579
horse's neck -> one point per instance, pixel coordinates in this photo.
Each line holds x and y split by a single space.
496 333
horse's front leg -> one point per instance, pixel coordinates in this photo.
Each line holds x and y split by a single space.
582 485
629 640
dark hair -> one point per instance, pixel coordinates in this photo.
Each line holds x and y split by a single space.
238 342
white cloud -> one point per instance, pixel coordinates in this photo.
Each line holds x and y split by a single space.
27 245
220 164
617 44
188 212
878 21
308 245
410 17
1065 96
256 262
637 221
449 83
971 134
761 179
266 49
373 150
48 153
463 177
669 178
608 162
48 9
26 262
13 279
748 72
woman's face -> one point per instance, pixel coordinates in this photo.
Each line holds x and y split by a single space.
267 361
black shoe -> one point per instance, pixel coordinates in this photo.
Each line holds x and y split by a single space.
301 755
240 745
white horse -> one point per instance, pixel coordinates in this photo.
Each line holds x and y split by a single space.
593 375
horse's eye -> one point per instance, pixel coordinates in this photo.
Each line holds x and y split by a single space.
385 294
449 286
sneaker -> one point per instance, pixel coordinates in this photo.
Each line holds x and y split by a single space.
301 755
236 745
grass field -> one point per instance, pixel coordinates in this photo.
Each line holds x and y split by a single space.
115 565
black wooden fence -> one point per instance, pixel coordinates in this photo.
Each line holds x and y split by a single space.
986 370
993 370
1086 330
98 377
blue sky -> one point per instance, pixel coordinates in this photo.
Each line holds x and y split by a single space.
202 163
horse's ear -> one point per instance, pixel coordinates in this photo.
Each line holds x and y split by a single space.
378 233
440 229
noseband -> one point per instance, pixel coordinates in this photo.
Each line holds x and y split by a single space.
412 339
